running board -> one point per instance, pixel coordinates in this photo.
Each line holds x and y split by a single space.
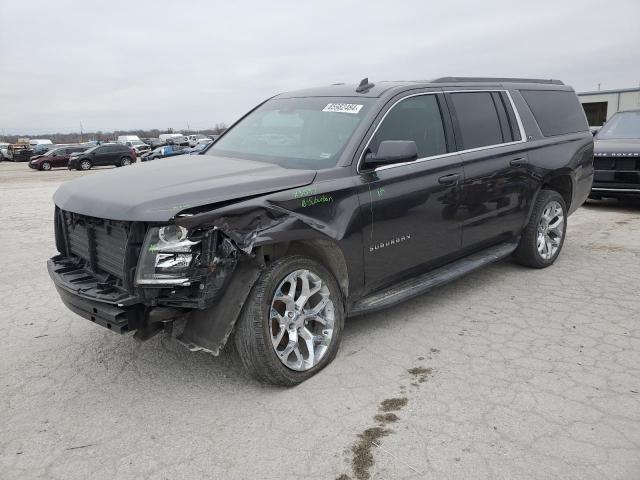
428 281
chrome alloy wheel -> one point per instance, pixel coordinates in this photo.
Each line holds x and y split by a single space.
550 230
301 320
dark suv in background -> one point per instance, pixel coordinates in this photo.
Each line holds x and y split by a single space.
323 204
617 157
57 157
101 155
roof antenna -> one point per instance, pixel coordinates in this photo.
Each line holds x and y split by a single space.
364 86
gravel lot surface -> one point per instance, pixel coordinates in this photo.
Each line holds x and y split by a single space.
509 373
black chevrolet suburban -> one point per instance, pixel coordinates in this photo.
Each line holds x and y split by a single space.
322 204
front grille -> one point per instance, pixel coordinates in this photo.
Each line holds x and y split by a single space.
101 243
616 164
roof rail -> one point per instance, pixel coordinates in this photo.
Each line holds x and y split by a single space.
496 79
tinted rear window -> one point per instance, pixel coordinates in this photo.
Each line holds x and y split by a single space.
557 112
417 119
478 119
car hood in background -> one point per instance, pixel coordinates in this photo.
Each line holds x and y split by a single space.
617 147
157 191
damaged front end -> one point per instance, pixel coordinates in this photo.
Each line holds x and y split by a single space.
132 276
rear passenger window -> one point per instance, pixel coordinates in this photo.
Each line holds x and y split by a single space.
557 112
415 118
478 119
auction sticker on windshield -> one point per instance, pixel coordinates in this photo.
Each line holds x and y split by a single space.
342 108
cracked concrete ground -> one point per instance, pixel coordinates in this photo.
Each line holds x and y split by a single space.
535 374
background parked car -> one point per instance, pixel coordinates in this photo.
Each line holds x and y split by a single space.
127 138
105 154
166 136
3 151
616 157
162 152
198 148
154 142
40 145
194 139
139 146
56 157
181 140
19 152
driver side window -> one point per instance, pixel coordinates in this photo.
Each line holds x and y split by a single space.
415 118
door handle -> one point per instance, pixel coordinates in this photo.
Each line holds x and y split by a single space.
449 179
518 162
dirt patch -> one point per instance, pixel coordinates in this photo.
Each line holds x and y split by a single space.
393 404
362 455
607 248
385 418
362 450
420 374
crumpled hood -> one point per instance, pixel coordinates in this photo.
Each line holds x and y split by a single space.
614 146
156 191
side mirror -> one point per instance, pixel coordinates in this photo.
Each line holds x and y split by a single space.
393 151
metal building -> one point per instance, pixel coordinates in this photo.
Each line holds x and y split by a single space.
602 104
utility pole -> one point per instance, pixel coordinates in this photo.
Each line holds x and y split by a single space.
81 140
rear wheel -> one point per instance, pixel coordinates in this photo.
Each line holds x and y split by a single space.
45 166
291 325
85 165
125 161
543 237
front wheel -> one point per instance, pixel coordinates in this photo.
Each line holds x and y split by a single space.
291 325
543 237
46 166
85 165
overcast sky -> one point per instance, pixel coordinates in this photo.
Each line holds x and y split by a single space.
157 64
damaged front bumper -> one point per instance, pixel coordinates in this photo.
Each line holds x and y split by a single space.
89 296
94 297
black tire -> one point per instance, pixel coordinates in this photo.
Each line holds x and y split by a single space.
527 251
85 165
46 166
124 162
253 336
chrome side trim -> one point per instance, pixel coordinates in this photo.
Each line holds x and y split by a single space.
598 189
523 138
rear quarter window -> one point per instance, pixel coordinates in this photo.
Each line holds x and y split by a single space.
557 112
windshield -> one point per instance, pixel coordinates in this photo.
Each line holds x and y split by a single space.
91 149
295 132
622 125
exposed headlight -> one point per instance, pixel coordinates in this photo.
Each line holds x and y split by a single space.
167 254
